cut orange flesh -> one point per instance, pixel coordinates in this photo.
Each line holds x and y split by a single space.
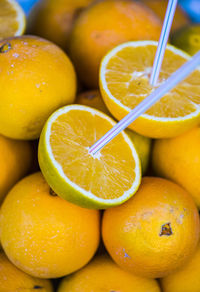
12 19
124 82
107 178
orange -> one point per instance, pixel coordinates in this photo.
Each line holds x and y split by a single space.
93 99
36 78
101 180
178 159
124 83
12 279
44 235
104 25
187 39
12 19
15 161
160 6
186 279
143 144
143 147
155 232
102 274
53 19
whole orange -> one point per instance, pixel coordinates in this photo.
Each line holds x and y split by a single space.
185 279
102 274
14 280
104 25
53 19
16 158
160 6
44 235
155 232
178 159
36 78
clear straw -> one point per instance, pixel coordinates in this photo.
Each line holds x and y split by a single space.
171 8
171 82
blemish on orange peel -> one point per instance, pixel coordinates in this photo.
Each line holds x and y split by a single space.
166 229
5 48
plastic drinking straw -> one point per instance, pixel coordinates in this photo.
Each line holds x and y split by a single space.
142 107
171 8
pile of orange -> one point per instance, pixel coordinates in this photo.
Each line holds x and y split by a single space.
124 218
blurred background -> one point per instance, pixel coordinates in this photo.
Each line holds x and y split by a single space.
192 7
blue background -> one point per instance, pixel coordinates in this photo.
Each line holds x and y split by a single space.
192 7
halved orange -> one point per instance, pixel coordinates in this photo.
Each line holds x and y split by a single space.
12 19
105 179
124 83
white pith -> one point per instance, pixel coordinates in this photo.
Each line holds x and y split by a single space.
112 53
59 167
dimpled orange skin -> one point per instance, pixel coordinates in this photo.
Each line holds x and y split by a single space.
178 159
44 235
16 158
36 78
53 19
102 274
102 26
12 279
159 7
155 232
185 279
